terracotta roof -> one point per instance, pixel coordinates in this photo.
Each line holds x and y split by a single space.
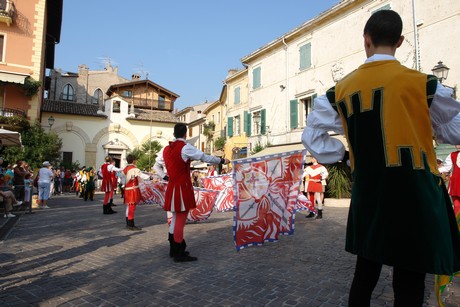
154 115
68 107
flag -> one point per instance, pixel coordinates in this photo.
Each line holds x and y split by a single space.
224 184
153 192
266 190
303 203
205 200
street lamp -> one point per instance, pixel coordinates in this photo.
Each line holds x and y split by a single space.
440 71
51 121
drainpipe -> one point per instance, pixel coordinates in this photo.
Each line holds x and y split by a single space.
417 67
286 81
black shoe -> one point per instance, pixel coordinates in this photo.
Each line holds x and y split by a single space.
311 215
172 251
320 214
133 227
110 210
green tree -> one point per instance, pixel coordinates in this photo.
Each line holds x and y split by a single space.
219 143
259 147
38 146
146 154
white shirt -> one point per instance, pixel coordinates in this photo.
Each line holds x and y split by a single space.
444 114
45 174
189 152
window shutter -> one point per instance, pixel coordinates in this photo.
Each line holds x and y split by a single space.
256 78
247 123
237 95
305 56
263 121
230 126
313 100
294 114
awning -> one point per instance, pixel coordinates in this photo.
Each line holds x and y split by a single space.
279 149
12 77
10 138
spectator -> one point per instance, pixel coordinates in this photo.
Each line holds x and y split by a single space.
452 166
18 179
8 196
45 176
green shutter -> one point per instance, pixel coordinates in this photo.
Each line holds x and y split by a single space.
313 100
256 78
230 126
305 56
263 121
247 123
294 114
237 95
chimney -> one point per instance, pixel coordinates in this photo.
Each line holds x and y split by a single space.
135 76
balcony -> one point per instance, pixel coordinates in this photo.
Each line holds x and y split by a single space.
12 118
7 12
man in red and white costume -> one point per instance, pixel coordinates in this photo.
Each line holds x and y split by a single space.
180 198
316 174
132 194
452 164
108 170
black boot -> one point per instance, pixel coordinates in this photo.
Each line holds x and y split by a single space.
311 215
111 203
133 227
180 254
104 211
320 214
110 210
171 246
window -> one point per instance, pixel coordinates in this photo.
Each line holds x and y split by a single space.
384 7
68 93
190 132
236 93
161 102
305 108
116 106
98 96
305 56
128 94
256 78
3 5
2 40
218 117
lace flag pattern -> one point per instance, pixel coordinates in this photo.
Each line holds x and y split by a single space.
266 190
224 184
205 200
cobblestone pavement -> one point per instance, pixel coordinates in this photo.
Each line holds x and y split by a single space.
72 255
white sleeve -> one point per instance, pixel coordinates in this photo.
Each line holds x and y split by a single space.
447 165
324 173
159 166
445 118
113 168
192 153
316 138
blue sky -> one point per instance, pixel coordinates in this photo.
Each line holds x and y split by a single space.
186 46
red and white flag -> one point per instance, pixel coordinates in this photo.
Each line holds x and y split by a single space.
224 184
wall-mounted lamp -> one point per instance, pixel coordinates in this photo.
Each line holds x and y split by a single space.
282 87
441 71
51 121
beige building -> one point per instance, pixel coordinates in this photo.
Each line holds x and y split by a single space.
195 119
215 126
29 31
285 75
92 125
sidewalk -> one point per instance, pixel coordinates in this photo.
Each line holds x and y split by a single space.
73 255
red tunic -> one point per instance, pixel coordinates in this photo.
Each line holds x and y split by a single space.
314 181
179 196
132 193
454 183
107 181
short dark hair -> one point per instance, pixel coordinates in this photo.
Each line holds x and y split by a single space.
108 159
180 130
130 158
384 28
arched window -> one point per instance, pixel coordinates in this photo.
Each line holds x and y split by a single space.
68 93
98 97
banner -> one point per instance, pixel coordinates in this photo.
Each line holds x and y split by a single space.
266 191
224 184
205 200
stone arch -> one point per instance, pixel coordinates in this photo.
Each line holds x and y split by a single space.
116 128
75 129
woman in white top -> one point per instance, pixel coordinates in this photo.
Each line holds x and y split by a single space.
45 175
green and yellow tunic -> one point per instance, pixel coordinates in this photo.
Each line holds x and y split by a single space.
400 213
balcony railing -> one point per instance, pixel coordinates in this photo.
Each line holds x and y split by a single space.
7 12
8 112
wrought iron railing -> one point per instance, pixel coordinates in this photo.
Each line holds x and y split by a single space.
9 112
